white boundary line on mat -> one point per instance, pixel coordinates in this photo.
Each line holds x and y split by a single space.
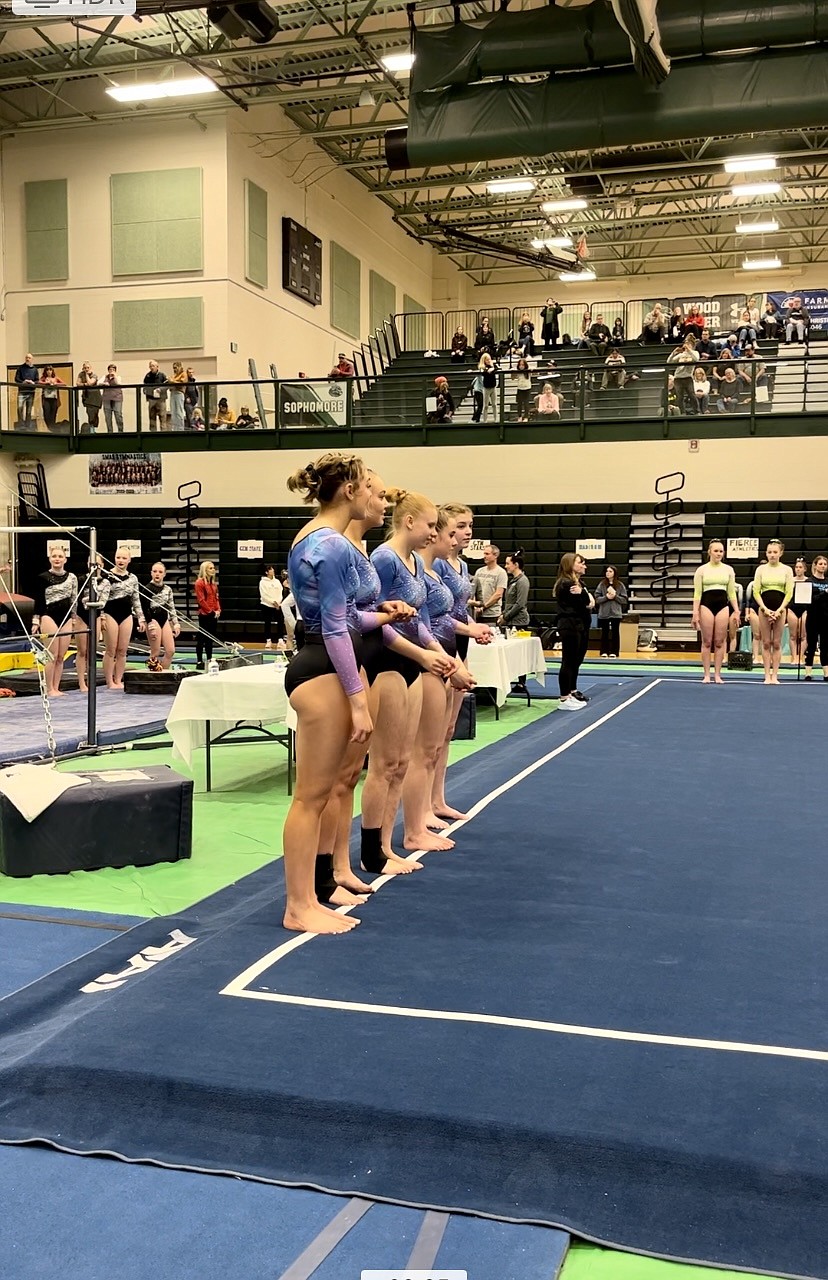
240 986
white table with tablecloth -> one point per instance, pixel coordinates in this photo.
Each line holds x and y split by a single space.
208 708
498 665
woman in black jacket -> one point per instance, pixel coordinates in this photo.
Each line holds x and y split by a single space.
550 332
485 340
575 606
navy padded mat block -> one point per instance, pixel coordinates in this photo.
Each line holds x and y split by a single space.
122 818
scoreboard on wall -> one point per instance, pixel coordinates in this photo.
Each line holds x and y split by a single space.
301 262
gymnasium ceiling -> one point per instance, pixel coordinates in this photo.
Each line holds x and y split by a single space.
665 208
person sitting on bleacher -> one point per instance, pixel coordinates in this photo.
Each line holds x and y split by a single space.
599 337
730 392
547 404
705 347
225 417
747 329
771 321
675 325
672 399
246 419
444 406
617 339
526 335
734 346
701 389
615 373
796 317
459 346
485 339
694 321
655 325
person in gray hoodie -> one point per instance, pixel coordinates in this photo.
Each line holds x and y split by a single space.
610 603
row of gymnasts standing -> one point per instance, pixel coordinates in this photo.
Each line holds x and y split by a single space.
62 615
383 663
770 597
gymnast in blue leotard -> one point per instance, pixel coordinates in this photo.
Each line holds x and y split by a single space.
324 681
419 783
455 573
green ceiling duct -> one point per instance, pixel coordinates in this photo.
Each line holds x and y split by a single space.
555 39
778 90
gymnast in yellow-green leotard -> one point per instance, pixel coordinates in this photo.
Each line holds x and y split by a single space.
772 589
714 589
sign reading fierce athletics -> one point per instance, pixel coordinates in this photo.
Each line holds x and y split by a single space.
313 404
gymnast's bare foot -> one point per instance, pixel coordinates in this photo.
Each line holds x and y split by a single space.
57 693
353 884
317 919
434 823
705 679
446 811
397 866
344 898
428 842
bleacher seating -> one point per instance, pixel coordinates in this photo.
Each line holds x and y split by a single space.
398 396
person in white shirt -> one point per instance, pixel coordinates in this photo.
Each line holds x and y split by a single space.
270 599
489 585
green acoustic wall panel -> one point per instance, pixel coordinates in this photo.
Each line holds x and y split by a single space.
49 330
47 230
255 261
415 330
345 291
156 222
158 324
383 300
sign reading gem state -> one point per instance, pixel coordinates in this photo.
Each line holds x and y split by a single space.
250 550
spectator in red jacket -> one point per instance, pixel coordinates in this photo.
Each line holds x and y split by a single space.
209 610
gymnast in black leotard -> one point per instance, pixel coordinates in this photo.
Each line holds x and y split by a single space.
714 589
162 619
53 619
120 600
797 613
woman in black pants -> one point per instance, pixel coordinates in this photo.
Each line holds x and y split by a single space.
575 606
816 619
610 603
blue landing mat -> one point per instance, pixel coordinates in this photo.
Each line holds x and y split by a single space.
120 718
31 948
603 1011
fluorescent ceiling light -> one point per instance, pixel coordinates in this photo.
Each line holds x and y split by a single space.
397 61
757 228
562 206
162 89
750 164
553 242
505 186
570 277
756 189
761 264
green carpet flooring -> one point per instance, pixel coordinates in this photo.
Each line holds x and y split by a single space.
236 828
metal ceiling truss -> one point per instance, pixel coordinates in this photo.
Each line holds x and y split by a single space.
650 207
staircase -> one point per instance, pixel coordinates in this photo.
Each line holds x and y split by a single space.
645 586
800 383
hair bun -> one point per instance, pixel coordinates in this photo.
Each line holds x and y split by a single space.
311 472
396 496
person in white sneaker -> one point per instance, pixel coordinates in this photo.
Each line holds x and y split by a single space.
575 605
270 599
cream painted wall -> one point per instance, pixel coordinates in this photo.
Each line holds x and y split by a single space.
267 325
86 158
574 474
271 324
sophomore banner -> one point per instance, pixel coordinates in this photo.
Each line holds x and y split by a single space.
314 404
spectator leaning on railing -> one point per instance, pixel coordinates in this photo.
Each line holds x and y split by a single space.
113 398
26 378
156 396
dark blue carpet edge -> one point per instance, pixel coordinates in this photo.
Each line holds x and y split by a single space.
221 907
